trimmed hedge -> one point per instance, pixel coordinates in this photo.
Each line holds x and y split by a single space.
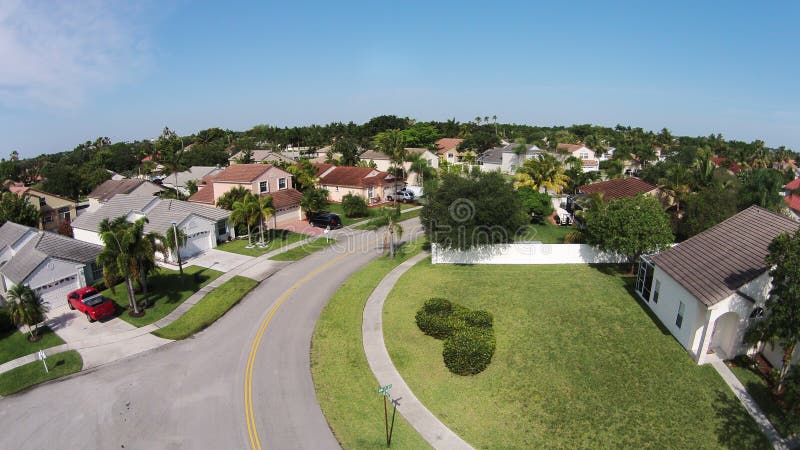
469 341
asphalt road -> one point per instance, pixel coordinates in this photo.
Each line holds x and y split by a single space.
191 393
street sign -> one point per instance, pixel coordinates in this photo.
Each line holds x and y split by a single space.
385 390
42 357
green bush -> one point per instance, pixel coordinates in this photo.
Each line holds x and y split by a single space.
439 326
5 321
469 351
354 206
478 319
438 305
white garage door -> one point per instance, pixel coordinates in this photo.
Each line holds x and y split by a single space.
55 293
287 216
196 243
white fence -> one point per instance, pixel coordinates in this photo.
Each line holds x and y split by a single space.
526 253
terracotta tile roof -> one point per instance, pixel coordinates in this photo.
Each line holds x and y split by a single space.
723 162
285 198
322 167
569 147
445 144
715 263
241 173
794 184
792 200
618 188
354 177
204 195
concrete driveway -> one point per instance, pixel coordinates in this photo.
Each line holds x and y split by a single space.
218 260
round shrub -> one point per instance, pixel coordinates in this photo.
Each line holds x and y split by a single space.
435 325
469 351
438 305
478 319
354 206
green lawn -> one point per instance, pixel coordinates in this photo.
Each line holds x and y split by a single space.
546 233
14 343
165 293
304 250
346 387
275 238
404 215
579 364
27 375
209 309
785 422
347 221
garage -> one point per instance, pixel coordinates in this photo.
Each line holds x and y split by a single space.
286 216
196 243
55 293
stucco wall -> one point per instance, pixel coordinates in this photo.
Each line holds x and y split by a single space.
525 253
87 236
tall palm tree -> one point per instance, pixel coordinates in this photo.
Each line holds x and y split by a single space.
119 257
143 247
420 166
25 307
246 211
521 149
392 143
265 210
226 200
542 172
388 217
172 244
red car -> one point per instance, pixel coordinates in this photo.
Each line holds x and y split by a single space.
88 301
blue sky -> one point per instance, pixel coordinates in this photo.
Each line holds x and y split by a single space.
72 73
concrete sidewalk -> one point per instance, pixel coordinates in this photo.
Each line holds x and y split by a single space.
427 425
100 349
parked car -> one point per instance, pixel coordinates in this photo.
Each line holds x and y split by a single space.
403 195
325 220
88 301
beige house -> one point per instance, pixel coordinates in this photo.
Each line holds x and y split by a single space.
447 149
54 209
260 179
383 163
371 184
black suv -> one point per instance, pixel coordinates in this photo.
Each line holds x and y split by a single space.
324 220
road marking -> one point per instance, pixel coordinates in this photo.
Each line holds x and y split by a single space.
255 442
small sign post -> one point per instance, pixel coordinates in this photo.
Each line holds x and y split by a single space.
43 357
396 403
385 391
327 232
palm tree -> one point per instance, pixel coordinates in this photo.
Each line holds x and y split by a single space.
226 200
392 143
265 210
170 156
246 211
170 243
122 254
144 246
420 166
542 172
25 307
703 168
388 217
521 149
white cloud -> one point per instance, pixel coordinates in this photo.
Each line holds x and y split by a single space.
53 53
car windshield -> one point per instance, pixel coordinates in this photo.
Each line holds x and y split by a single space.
94 300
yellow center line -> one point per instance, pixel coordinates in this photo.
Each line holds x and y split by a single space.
255 443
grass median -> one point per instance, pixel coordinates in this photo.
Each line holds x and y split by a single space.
346 387
209 309
274 238
304 250
33 373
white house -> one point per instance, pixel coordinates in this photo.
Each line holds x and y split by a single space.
591 161
708 289
505 158
383 163
49 263
203 225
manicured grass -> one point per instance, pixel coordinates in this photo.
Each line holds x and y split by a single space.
785 422
579 364
546 233
209 309
347 221
275 239
404 215
14 344
27 375
165 293
304 250
346 387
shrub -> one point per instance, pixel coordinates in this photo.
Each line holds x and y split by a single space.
536 204
478 319
354 206
439 326
574 237
469 351
438 305
5 321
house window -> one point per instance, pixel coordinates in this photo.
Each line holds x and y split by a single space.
222 227
97 271
584 155
337 188
281 183
263 186
656 289
644 279
65 216
681 310
42 201
48 219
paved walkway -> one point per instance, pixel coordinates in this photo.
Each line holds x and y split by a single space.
749 404
97 349
427 425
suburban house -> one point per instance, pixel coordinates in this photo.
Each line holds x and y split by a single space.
371 184
383 163
619 188
708 289
505 158
447 149
49 263
792 197
727 164
194 173
260 179
262 157
129 186
115 175
203 225
591 161
54 209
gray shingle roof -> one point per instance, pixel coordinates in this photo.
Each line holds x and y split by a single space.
10 233
110 188
160 213
193 173
715 263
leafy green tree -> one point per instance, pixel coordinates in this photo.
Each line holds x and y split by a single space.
706 208
780 324
577 177
14 208
348 149
61 180
191 186
761 187
613 168
235 194
25 307
536 204
464 212
631 227
247 212
9 170
169 153
304 175
421 135
388 217
542 172
355 206
314 201
479 142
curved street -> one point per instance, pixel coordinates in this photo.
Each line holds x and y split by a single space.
245 382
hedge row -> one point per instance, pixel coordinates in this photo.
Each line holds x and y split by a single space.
468 336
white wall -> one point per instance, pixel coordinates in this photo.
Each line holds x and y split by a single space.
52 270
525 253
92 237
